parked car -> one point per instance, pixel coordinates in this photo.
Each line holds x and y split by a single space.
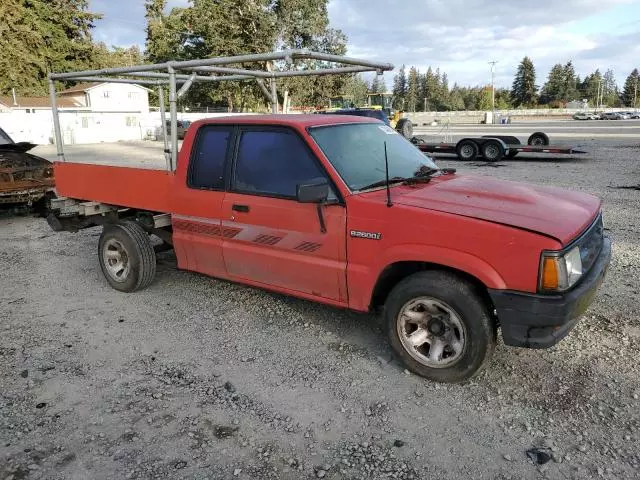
344 211
25 179
611 116
585 116
633 115
183 126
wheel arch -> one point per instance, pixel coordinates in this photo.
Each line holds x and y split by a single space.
395 272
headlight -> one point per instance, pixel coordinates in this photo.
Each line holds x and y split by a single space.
560 272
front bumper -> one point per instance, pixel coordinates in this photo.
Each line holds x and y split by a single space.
541 321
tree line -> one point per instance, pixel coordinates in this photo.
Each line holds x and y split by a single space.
563 85
40 36
429 91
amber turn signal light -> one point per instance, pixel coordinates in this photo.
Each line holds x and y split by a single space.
550 274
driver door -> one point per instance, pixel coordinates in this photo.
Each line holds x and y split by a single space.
270 239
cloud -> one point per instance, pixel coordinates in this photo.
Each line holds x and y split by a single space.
462 36
123 21
458 36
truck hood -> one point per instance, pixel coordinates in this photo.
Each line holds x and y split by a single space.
554 212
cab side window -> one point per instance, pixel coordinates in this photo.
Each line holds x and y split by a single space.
274 162
208 159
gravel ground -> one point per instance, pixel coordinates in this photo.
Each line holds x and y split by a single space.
196 378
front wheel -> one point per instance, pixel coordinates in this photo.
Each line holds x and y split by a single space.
405 128
127 257
467 150
439 326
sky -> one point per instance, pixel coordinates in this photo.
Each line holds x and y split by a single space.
460 37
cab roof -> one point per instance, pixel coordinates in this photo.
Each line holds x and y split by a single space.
297 120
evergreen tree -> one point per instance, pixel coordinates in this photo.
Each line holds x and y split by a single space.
553 89
524 91
630 90
431 85
412 90
590 86
610 92
378 85
456 98
443 93
400 89
569 90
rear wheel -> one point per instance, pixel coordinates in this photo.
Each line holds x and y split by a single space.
467 150
538 139
439 326
492 150
127 257
405 127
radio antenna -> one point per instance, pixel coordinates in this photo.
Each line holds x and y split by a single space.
386 173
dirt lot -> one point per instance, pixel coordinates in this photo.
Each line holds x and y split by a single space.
196 378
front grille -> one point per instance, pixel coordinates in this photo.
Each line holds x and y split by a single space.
590 244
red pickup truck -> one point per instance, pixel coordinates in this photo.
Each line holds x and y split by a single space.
299 204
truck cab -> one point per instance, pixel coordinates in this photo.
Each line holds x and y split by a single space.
344 211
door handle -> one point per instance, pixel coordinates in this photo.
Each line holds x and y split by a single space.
240 208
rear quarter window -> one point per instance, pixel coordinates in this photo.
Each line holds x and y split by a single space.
209 158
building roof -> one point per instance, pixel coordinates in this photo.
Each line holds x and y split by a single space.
37 102
83 87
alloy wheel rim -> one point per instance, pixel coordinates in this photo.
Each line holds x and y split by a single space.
431 332
116 260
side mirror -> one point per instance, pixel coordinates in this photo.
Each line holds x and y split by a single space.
313 192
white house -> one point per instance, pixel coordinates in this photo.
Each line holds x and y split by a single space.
109 97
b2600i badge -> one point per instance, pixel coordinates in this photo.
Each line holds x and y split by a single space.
368 235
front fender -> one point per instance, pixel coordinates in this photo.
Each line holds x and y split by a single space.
363 278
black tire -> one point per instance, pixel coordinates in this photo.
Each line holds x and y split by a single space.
538 138
508 139
136 255
405 127
512 153
479 329
492 150
467 150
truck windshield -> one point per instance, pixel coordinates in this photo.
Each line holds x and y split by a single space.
356 150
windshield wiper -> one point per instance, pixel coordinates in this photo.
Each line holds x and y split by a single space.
425 174
382 183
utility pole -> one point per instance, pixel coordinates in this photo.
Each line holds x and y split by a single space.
493 90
